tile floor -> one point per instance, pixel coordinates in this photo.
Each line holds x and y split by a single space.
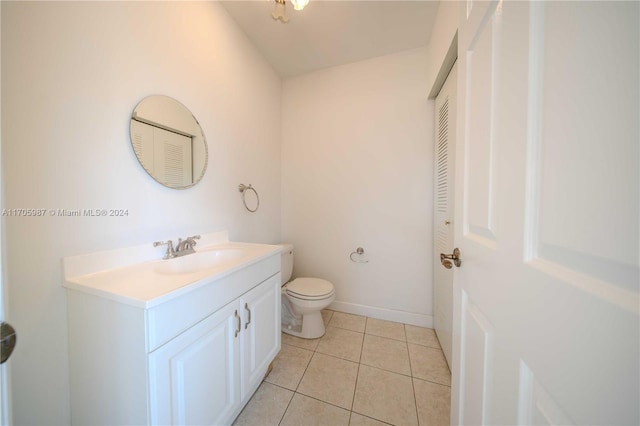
363 371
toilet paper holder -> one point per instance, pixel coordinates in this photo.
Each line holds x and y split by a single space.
359 251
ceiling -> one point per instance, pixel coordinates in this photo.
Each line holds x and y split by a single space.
329 33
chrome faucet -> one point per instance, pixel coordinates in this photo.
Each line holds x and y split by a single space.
171 253
183 247
186 246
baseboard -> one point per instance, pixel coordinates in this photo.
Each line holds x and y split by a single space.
420 320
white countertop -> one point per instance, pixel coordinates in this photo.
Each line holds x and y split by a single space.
141 285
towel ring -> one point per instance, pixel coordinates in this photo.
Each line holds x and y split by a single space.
244 188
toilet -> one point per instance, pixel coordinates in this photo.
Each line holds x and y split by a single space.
302 300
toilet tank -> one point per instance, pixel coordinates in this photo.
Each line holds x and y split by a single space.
286 269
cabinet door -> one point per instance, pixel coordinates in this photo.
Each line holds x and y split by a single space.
194 378
261 329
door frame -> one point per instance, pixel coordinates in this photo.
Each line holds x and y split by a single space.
5 397
443 278
445 68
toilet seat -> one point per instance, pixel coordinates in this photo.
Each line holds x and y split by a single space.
309 289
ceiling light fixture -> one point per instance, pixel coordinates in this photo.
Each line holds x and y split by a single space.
299 4
280 13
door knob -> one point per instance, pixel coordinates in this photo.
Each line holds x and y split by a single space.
7 341
446 259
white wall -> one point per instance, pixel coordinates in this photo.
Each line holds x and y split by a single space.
357 171
442 35
72 74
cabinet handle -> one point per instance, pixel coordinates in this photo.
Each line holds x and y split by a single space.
239 324
246 306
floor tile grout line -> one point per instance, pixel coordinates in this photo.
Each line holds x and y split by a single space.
345 328
305 371
323 401
297 347
300 381
390 371
355 387
386 337
373 366
411 376
415 400
368 365
294 393
431 381
373 418
359 362
366 320
413 383
284 413
410 363
338 357
337 406
280 386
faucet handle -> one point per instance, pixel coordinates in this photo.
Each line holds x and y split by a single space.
192 241
170 252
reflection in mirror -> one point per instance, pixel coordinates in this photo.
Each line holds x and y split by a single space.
169 142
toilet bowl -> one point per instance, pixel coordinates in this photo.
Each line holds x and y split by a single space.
303 299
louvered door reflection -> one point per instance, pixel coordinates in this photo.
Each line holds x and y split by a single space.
142 140
165 155
173 158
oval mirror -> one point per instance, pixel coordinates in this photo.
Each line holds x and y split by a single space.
168 141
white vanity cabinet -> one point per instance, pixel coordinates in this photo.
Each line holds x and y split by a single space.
194 379
203 376
194 356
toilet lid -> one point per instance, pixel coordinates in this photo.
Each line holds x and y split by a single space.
309 287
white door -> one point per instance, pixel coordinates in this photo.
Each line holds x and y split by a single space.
546 306
443 209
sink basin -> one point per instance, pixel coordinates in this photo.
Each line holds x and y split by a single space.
199 261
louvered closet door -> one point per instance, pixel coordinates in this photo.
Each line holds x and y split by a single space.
173 158
142 140
443 206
